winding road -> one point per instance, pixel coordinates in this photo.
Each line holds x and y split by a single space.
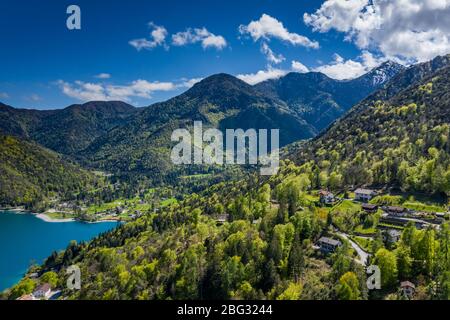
363 255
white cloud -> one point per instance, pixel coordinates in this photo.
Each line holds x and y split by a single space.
272 73
299 67
86 91
83 91
103 76
270 55
4 95
196 35
188 83
268 27
262 75
342 69
403 30
214 41
157 38
335 14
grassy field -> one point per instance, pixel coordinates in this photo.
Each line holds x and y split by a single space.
364 243
105 206
365 231
388 200
60 215
196 176
313 197
419 206
418 202
345 215
390 226
347 206
128 204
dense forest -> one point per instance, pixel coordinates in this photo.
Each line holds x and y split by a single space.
30 173
265 251
403 141
265 247
133 144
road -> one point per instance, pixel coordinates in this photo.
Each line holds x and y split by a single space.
363 255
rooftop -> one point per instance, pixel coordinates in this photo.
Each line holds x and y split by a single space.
43 287
369 206
396 209
222 217
330 241
325 193
394 232
364 191
407 284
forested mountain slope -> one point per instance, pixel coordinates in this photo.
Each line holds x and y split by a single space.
29 173
403 141
135 143
221 101
265 250
319 99
67 130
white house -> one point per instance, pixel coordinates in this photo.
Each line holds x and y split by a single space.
326 197
364 195
42 291
408 289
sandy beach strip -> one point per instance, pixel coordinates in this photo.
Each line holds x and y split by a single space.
46 218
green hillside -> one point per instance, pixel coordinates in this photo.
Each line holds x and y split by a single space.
68 130
266 247
142 146
30 173
402 142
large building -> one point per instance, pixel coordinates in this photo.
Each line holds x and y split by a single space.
328 245
364 195
42 291
326 197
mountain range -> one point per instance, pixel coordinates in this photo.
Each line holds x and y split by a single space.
319 99
264 248
398 136
133 143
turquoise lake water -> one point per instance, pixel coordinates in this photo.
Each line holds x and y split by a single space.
25 239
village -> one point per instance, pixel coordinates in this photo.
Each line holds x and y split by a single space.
389 222
358 218
374 213
121 209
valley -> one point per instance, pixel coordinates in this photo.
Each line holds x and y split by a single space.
364 179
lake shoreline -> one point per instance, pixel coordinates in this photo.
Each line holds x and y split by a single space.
45 217
49 219
26 239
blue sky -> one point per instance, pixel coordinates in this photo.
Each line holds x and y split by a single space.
45 66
